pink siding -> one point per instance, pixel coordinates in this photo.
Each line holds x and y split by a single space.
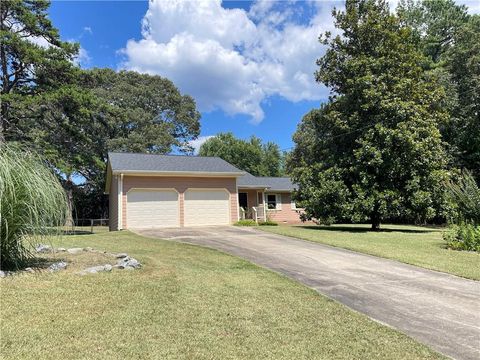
113 205
286 214
181 184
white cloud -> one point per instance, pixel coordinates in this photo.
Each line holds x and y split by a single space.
229 59
199 142
233 60
83 58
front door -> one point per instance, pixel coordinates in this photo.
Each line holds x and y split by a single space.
243 200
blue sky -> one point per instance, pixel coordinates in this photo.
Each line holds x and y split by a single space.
103 29
249 65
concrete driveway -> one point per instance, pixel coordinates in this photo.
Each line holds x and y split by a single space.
440 310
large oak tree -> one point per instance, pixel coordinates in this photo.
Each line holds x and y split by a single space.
374 151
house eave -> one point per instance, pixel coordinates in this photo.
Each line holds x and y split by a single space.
280 190
178 173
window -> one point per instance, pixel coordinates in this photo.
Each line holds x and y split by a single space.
274 202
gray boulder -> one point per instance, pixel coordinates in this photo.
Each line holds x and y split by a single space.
128 261
42 248
2 274
121 256
60 249
96 269
62 265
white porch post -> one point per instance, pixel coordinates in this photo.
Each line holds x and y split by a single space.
120 201
264 206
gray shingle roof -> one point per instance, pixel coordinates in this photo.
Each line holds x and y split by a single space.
272 183
169 163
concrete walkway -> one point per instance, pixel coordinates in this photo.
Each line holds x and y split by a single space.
440 310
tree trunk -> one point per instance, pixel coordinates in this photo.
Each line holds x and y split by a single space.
376 225
3 121
375 219
69 223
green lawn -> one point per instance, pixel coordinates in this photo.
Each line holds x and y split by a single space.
186 303
418 246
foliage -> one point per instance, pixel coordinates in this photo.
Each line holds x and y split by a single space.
465 194
31 53
268 223
246 222
249 155
31 201
450 38
374 151
142 113
464 236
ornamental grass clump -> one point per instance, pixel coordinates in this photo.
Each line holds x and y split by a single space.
32 204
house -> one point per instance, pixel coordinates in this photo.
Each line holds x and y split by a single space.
147 190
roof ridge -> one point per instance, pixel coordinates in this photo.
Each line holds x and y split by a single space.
273 177
179 155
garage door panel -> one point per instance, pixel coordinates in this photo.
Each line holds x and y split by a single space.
152 208
207 207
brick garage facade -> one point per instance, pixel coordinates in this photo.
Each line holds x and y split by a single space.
180 184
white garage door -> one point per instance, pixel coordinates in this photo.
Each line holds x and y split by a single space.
207 207
152 208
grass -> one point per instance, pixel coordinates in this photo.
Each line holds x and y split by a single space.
418 246
186 302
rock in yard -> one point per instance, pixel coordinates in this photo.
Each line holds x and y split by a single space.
75 251
129 268
62 265
2 274
29 270
121 256
88 248
61 249
128 261
96 269
42 248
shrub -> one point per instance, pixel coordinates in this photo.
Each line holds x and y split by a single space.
463 237
267 223
246 222
465 194
32 203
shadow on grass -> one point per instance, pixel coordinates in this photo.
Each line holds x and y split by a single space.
354 229
36 263
75 232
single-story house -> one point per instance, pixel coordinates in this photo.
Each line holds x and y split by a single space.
147 191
